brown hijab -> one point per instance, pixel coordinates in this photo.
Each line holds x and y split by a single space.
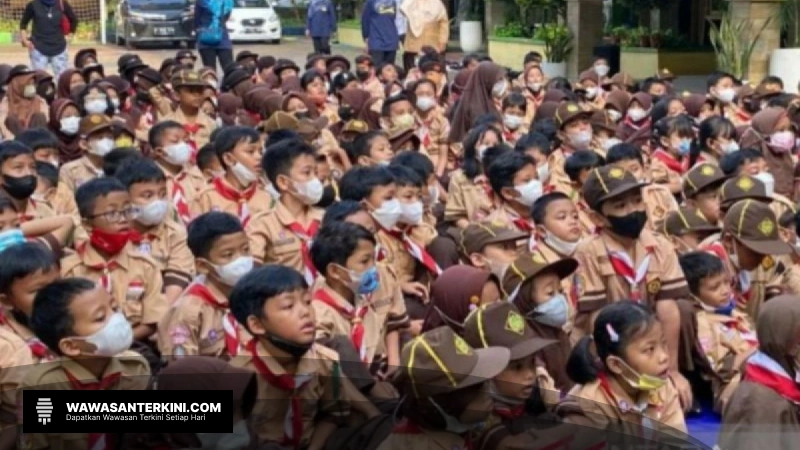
68 148
229 106
20 108
778 330
757 135
454 295
63 85
477 99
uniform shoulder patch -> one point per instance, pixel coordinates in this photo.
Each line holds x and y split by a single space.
768 262
654 286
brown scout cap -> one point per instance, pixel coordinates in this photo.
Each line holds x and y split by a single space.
569 111
687 220
187 78
440 361
399 137
280 120
93 123
665 74
528 265
601 119
620 78
753 223
355 126
500 324
741 188
700 177
476 236
310 128
607 182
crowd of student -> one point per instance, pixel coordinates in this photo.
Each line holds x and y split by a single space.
396 260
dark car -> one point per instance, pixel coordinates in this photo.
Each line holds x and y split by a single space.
141 21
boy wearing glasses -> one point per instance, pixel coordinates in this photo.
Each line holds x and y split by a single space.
110 258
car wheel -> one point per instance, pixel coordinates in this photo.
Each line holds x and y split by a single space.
128 41
275 41
120 34
191 44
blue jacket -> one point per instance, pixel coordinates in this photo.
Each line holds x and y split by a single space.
203 15
321 21
378 26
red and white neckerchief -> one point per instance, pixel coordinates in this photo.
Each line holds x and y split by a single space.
23 217
105 269
763 370
623 266
191 130
417 252
740 325
522 224
646 425
306 235
627 121
424 132
178 195
232 342
97 441
37 347
351 313
293 423
240 197
670 161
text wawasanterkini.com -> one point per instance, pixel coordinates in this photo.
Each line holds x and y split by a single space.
140 411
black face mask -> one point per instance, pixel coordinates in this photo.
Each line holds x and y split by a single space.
300 115
346 113
292 348
20 188
629 226
363 75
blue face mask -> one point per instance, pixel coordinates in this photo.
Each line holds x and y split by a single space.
685 147
726 310
365 283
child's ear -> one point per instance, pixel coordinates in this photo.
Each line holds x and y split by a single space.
477 260
615 365
69 347
5 301
284 183
255 326
598 219
540 231
509 193
785 234
363 160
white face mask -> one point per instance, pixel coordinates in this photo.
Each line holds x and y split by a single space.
637 114
70 125
601 70
591 93
115 337
29 91
499 89
729 147
433 194
96 106
425 103
610 142
561 246
178 154
481 151
101 147
614 115
554 312
529 192
115 103
543 172
245 176
412 213
768 180
231 273
309 192
238 439
535 87
725 95
153 213
581 139
55 162
512 122
388 214
218 121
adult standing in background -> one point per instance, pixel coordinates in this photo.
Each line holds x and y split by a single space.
379 30
401 23
52 22
213 41
428 25
321 24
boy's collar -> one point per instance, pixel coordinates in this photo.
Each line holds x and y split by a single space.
81 373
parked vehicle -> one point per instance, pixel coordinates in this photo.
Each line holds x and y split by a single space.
254 20
139 21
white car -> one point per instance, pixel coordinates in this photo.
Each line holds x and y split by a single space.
254 20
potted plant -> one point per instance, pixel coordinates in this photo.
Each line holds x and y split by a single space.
471 29
733 43
785 62
619 34
656 39
558 45
644 36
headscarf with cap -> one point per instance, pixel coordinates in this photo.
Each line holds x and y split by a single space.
476 100
63 89
757 136
454 294
778 330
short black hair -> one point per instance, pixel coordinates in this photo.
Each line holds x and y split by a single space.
12 149
229 137
357 183
19 261
579 161
731 163
404 176
253 291
546 127
539 208
279 158
87 194
716 76
37 138
340 211
532 56
360 146
533 140
47 172
336 242
205 156
206 229
139 170
772 79
114 159
280 135
502 170
415 161
698 266
624 152
51 319
157 132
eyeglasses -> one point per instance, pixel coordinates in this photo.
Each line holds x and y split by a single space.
118 216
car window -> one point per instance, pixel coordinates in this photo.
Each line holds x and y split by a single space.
251 4
153 5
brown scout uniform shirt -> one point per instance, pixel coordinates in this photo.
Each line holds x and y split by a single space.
559 180
136 283
396 255
433 134
134 376
599 284
467 199
271 240
506 217
375 88
38 351
166 244
568 285
211 200
320 379
659 202
15 363
424 440
206 126
75 173
190 180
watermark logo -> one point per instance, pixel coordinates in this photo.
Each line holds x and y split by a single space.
44 410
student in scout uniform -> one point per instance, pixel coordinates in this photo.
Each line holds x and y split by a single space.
200 321
433 194
365 70
721 337
687 229
239 151
432 126
577 167
28 267
154 233
575 133
750 236
52 232
18 172
627 261
75 318
768 396
748 187
533 285
283 235
15 363
110 258
443 381
173 154
273 304
46 184
630 394
558 228
673 140
515 186
489 246
189 89
371 149
701 190
96 141
456 293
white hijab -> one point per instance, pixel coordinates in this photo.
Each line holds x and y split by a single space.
420 13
